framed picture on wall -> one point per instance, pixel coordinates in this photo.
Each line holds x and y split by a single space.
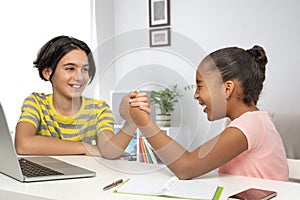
159 13
160 37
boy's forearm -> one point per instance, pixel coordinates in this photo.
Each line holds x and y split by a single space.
41 145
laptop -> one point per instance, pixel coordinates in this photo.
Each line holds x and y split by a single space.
45 167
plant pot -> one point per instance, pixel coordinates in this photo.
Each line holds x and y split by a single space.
163 120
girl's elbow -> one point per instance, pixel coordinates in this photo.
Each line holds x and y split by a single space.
186 171
183 175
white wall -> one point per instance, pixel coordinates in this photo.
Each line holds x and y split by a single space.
208 25
272 24
213 24
25 27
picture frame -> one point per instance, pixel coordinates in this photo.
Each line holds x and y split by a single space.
159 13
160 37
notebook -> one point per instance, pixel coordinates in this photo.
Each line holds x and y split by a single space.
174 188
52 168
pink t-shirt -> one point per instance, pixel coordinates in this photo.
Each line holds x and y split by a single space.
265 157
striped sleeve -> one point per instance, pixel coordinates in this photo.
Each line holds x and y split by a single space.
30 111
106 118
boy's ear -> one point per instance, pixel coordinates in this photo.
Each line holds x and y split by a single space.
47 73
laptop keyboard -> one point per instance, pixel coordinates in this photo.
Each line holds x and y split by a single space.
31 169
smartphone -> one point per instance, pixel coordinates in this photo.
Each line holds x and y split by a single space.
253 194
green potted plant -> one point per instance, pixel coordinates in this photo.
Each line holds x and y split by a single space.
165 99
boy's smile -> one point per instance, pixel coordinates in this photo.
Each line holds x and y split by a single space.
71 75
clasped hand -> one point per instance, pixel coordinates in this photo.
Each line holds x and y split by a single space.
135 108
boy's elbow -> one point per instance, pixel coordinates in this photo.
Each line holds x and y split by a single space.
109 154
23 146
22 149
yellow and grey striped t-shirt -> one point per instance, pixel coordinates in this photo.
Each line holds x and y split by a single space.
93 117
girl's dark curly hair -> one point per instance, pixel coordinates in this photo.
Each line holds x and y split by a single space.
246 66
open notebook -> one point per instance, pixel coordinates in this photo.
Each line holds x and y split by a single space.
174 188
41 168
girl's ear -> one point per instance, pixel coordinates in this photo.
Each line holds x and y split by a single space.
228 86
47 73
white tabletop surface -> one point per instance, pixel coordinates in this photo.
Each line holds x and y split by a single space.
111 170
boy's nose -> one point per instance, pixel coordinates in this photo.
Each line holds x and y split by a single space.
78 75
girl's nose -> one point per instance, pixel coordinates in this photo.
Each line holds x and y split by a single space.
196 95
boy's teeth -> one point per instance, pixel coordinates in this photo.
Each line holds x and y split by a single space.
76 86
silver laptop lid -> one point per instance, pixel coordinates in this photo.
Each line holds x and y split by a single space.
10 162
8 156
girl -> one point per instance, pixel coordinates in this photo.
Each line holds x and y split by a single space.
229 82
65 122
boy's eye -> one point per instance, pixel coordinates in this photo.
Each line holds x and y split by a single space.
70 68
85 69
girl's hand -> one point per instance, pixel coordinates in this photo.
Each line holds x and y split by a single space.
140 99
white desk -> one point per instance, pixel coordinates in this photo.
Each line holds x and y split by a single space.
111 170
